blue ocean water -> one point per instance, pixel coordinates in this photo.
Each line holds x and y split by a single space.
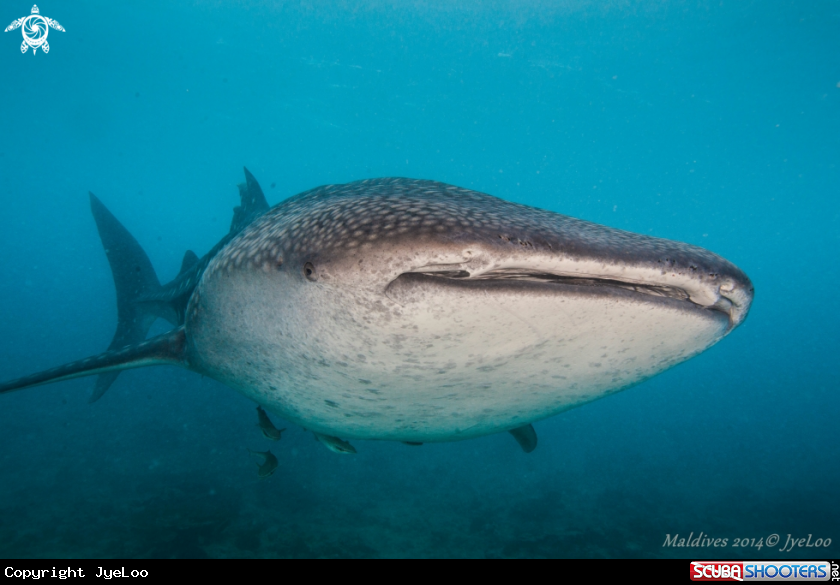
714 123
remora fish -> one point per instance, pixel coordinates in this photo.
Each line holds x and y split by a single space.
268 429
268 465
415 311
335 444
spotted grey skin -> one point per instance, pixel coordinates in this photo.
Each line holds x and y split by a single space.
416 311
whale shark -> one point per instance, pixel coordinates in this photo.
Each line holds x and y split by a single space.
415 311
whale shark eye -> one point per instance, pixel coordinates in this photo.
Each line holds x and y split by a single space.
309 271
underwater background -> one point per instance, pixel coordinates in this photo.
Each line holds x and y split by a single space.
714 123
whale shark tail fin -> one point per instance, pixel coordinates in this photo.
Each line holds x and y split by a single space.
134 278
166 349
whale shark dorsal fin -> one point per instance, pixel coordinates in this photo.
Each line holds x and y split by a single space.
256 199
526 436
190 260
252 203
167 349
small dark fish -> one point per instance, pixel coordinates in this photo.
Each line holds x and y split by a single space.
269 431
269 462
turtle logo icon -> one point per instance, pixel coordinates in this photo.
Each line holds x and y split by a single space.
35 29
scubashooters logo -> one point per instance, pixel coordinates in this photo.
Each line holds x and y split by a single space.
35 29
761 571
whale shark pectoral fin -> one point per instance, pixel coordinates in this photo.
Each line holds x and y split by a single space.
166 349
526 436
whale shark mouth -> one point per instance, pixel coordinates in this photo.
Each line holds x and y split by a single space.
546 282
530 276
